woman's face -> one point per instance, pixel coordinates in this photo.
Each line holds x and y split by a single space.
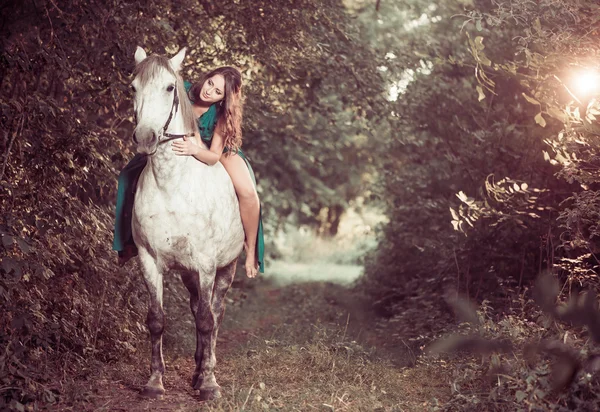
213 89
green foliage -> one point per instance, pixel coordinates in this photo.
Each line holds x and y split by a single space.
548 67
498 139
448 136
498 135
521 365
312 90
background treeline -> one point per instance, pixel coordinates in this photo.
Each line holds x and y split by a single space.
412 106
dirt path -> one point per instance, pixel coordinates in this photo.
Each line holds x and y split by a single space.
297 347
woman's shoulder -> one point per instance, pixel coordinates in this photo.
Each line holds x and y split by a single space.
187 85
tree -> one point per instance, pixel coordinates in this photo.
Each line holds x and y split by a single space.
454 136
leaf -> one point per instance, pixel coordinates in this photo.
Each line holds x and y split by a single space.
594 112
531 99
557 113
479 43
463 308
545 292
563 373
7 241
481 94
539 119
25 248
537 25
520 395
11 265
484 59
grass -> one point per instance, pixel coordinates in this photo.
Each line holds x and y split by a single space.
327 374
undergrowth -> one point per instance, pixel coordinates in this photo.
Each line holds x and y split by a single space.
522 378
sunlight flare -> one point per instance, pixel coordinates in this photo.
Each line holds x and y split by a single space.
586 82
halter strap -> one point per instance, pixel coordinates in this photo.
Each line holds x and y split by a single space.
172 136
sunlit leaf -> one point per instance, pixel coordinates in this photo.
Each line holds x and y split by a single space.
479 43
539 119
546 155
530 99
557 113
481 94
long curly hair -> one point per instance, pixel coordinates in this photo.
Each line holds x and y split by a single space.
230 109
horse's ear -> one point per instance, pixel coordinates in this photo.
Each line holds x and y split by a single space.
178 59
140 55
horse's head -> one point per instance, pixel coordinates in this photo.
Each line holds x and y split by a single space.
155 87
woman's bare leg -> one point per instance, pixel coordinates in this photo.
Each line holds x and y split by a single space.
249 206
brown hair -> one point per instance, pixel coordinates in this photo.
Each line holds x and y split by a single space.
229 110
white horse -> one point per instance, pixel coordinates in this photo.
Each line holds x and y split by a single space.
185 218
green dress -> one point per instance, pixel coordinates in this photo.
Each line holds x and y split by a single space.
128 181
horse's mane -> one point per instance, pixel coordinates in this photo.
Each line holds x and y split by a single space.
149 68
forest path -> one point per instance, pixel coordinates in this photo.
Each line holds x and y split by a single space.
305 346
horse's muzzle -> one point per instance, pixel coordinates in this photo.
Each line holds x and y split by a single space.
146 140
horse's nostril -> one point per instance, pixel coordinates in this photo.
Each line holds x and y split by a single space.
135 140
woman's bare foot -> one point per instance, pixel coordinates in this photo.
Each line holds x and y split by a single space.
251 268
251 265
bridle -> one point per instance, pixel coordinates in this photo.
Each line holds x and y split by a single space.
174 107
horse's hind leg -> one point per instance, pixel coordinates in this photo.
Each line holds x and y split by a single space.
223 282
155 322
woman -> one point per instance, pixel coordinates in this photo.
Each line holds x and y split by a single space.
217 102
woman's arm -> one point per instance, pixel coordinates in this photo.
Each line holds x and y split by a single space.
209 156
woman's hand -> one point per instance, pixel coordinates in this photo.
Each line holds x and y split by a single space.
187 147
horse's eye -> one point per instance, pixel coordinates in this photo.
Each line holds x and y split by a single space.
133 88
170 88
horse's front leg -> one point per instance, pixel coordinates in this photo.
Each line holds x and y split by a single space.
204 375
209 315
155 322
191 280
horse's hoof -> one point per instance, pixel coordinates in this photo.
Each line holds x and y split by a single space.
196 381
152 392
210 393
